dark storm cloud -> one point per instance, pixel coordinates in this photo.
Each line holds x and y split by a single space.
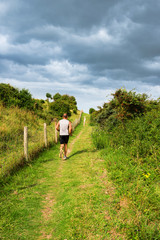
97 44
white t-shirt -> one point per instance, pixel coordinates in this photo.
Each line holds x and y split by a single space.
64 127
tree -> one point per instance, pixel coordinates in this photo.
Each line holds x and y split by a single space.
11 96
60 107
128 104
73 100
91 110
25 99
8 94
57 96
48 96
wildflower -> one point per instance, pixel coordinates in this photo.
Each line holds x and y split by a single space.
146 175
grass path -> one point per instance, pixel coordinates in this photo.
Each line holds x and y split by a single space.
55 199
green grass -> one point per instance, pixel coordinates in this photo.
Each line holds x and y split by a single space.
73 117
131 153
54 199
139 186
73 199
12 122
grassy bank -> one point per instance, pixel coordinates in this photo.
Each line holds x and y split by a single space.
12 125
132 153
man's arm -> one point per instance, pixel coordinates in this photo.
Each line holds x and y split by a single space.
57 127
70 128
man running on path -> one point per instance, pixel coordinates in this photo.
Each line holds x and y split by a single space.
65 128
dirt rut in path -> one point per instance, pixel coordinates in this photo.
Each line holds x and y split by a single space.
73 142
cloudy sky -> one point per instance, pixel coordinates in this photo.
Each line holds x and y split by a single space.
86 48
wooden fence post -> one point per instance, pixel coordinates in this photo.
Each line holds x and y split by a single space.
84 121
45 134
26 143
76 122
73 127
56 138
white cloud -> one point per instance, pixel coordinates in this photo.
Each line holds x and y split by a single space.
94 36
153 64
65 70
4 44
99 35
32 48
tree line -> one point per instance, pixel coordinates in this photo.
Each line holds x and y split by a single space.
53 107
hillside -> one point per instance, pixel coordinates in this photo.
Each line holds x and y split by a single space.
127 131
18 110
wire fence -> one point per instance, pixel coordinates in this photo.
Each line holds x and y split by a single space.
14 150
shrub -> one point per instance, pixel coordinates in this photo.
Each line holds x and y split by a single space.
57 96
91 110
128 104
60 107
11 96
25 100
130 139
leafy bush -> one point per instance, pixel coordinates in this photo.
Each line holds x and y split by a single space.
25 100
8 94
128 104
139 136
91 110
57 96
11 96
124 106
60 107
48 96
128 133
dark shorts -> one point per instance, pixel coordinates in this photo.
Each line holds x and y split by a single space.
64 139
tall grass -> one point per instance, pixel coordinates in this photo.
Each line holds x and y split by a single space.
132 153
12 122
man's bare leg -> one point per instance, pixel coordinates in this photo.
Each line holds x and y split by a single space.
65 149
61 150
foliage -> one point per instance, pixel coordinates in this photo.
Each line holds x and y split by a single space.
25 100
59 107
128 131
64 99
61 104
11 96
19 109
71 101
128 104
8 94
48 96
91 110
57 96
124 106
